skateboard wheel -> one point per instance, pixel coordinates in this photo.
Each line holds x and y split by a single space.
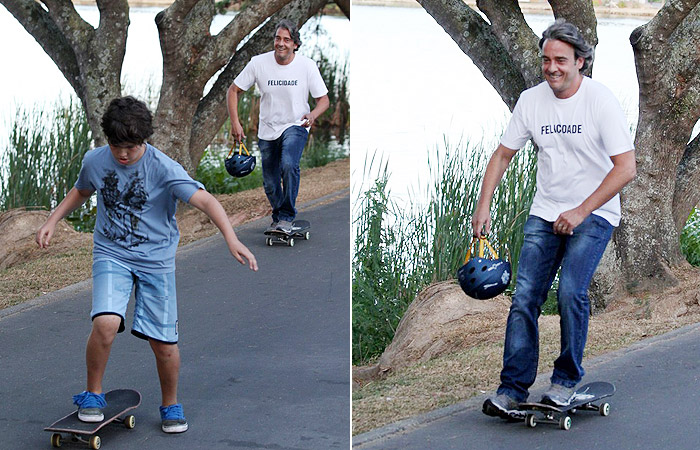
130 422
95 442
268 241
604 409
530 420
56 440
290 242
307 235
565 423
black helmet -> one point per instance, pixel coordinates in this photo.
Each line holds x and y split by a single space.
239 165
483 278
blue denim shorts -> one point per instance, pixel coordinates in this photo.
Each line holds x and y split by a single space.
155 309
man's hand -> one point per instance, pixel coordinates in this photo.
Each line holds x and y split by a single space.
237 131
568 220
309 120
481 223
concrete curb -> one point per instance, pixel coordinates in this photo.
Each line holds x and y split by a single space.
541 383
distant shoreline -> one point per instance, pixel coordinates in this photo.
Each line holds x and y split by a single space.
534 7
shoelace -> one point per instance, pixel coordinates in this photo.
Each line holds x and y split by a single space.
89 400
173 412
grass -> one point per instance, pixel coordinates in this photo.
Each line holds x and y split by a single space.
400 250
44 154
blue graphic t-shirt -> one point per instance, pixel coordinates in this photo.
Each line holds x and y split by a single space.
136 207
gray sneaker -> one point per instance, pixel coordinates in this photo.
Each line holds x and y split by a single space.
284 226
272 227
558 395
502 406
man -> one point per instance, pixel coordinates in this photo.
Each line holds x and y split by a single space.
585 157
285 80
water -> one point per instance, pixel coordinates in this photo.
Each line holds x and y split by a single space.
31 77
412 88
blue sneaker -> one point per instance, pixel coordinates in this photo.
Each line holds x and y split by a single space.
90 406
173 419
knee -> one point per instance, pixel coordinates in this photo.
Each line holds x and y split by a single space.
165 352
105 328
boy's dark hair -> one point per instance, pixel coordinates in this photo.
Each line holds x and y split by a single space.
293 31
127 121
561 30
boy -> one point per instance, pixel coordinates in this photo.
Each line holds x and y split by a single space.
135 241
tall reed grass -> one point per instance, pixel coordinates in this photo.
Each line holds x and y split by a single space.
401 249
690 238
42 160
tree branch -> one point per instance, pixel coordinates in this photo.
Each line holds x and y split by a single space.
47 33
511 29
475 38
669 17
344 6
222 46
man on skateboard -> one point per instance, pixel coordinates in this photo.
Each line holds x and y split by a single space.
285 80
585 157
135 240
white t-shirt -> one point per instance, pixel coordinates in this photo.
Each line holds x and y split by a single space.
576 138
284 91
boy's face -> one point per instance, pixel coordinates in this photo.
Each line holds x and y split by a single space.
127 154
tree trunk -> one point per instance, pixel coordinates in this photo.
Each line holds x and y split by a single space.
658 202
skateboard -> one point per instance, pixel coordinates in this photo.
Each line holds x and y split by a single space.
300 229
583 400
119 401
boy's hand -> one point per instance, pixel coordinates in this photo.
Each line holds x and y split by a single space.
242 254
43 236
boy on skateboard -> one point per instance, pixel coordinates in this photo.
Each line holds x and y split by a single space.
285 81
135 241
585 157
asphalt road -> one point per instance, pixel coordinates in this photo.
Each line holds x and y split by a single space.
265 356
656 406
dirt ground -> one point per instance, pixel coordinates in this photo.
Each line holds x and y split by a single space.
382 396
27 271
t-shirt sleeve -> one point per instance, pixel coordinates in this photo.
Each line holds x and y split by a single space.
614 131
246 78
517 133
83 181
317 87
181 185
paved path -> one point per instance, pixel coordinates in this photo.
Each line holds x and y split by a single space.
656 406
265 356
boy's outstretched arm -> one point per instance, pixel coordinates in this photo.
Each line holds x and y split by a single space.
210 206
74 199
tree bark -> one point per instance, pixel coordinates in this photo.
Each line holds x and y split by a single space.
658 202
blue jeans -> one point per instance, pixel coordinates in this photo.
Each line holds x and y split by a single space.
542 254
280 168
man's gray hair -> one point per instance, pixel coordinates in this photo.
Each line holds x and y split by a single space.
293 31
561 30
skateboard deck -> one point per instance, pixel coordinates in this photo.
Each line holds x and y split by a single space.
119 401
300 229
583 400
